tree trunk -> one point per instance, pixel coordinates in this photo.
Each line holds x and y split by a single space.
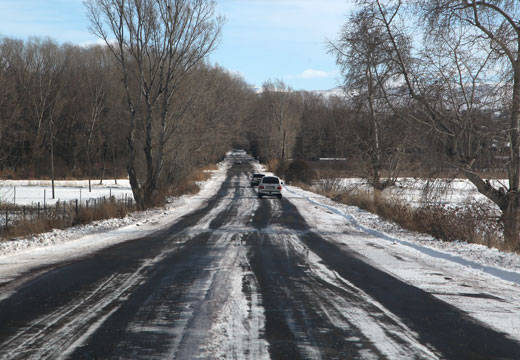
114 164
89 169
103 170
510 218
512 211
52 161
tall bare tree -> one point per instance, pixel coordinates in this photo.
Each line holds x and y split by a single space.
94 62
365 57
156 43
495 22
280 118
478 40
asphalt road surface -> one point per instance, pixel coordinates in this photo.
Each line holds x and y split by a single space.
240 278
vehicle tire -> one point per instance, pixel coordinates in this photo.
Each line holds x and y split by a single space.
279 196
259 196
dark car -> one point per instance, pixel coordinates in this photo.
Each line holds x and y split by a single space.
255 179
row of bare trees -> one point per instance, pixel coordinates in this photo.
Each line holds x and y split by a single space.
53 104
143 105
285 124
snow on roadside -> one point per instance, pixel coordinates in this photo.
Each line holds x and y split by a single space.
480 254
20 254
461 275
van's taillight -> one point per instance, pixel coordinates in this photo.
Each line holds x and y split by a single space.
279 188
261 187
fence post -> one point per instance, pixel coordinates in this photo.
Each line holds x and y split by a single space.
6 217
24 212
77 209
38 209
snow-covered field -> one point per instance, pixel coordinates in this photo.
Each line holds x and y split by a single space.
483 282
30 192
456 192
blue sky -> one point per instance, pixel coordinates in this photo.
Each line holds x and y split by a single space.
262 39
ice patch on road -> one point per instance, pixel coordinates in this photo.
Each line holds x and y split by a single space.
238 330
392 338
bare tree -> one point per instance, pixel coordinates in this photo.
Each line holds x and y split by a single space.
365 57
471 41
96 88
49 63
156 43
280 118
12 78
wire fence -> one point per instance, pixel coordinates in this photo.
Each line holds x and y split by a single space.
14 218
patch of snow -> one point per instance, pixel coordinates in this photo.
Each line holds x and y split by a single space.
32 192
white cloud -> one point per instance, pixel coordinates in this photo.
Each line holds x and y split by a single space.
313 74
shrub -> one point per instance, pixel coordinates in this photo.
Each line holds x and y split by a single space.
278 167
473 223
300 171
67 215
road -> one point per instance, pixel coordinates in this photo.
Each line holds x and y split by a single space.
239 278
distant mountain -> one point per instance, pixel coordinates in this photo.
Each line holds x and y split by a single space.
337 91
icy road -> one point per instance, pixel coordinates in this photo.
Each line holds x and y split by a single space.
244 278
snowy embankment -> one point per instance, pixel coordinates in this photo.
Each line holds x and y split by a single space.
456 193
472 255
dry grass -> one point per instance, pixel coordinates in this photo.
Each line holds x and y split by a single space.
32 227
189 185
106 210
102 210
60 220
472 223
201 174
273 165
